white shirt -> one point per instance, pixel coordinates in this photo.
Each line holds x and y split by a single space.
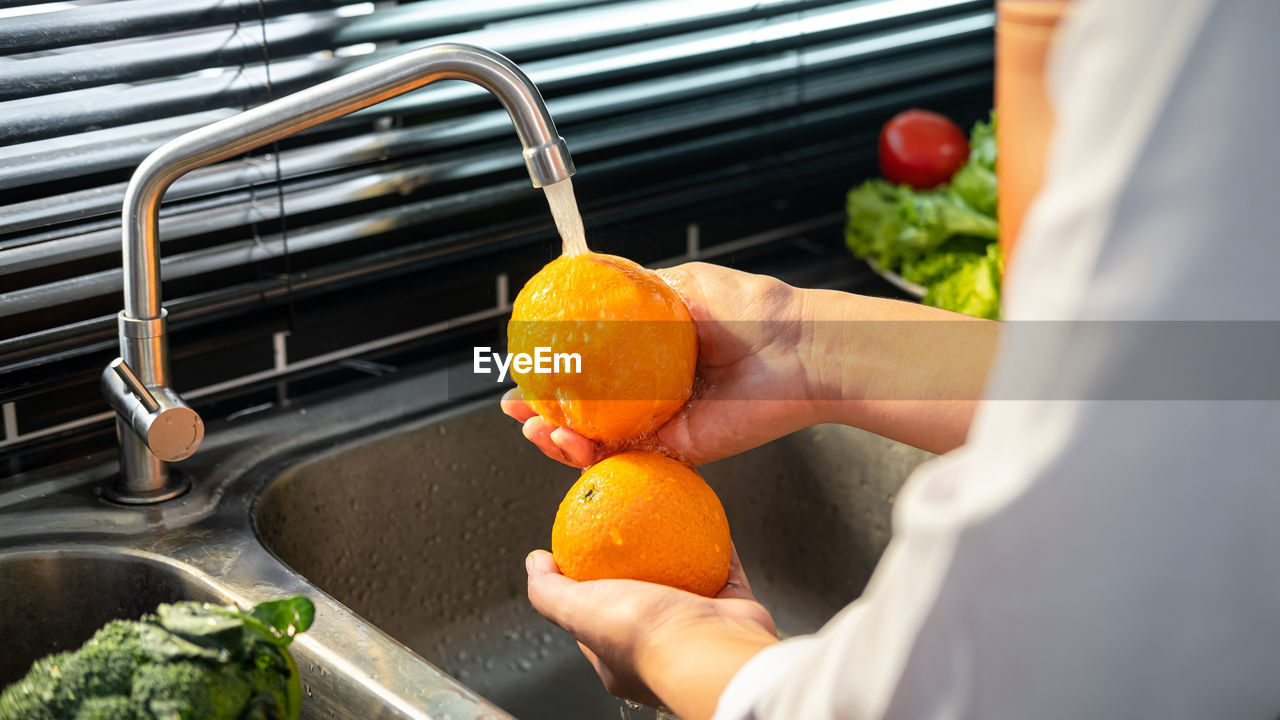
1081 556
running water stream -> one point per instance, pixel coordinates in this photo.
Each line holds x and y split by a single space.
564 208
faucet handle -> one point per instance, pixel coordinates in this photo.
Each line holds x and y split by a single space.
134 385
170 429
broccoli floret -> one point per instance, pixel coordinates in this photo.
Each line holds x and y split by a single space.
190 661
111 707
105 665
36 696
193 689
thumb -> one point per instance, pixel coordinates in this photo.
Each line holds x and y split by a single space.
550 592
540 563
684 282
673 276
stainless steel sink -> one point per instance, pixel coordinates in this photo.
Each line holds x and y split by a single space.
70 560
407 523
56 599
57 596
423 529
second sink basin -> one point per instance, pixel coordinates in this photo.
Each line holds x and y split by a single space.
423 531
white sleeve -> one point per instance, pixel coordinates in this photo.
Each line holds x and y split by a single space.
1099 549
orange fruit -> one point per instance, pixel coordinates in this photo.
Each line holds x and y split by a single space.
643 516
636 342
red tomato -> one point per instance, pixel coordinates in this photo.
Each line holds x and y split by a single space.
921 149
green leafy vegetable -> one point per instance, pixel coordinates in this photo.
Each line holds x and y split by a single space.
934 267
929 218
192 661
975 181
285 618
873 226
943 238
973 288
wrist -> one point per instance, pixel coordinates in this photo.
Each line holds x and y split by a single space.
689 665
823 347
908 372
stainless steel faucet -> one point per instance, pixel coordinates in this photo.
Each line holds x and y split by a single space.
154 426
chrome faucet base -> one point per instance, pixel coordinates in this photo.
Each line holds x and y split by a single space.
175 484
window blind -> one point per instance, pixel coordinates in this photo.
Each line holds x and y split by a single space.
676 112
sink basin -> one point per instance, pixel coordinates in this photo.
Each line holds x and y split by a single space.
66 595
423 530
67 592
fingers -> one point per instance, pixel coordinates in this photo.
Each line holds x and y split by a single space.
580 451
513 404
559 443
613 620
561 601
538 431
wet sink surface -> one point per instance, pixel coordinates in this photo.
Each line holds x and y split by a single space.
423 531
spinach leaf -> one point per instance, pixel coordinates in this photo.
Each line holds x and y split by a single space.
286 617
222 634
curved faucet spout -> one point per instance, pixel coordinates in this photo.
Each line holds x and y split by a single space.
143 345
545 152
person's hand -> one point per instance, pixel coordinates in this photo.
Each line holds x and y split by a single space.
752 383
651 643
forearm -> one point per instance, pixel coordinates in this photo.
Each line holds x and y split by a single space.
906 371
690 675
